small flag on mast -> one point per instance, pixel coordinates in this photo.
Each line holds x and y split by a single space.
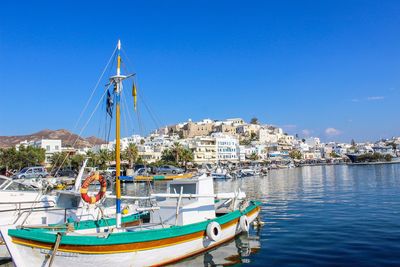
109 104
134 94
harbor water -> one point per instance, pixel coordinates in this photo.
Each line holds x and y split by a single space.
339 215
318 216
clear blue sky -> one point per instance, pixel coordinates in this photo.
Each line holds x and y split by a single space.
322 68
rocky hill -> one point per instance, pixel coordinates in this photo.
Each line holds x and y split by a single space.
67 138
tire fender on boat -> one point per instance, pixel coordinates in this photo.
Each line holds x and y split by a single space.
244 223
214 231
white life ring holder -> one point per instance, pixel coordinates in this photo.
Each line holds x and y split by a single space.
244 223
214 231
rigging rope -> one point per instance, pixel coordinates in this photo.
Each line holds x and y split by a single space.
87 122
83 110
128 112
124 114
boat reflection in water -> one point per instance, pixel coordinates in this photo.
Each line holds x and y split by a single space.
234 252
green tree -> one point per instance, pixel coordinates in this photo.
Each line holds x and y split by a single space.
104 156
388 157
186 156
30 156
254 121
177 151
77 161
334 155
167 156
253 156
93 159
131 154
10 158
60 159
295 154
245 142
353 143
253 136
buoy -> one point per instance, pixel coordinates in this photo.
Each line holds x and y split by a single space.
214 231
85 186
244 223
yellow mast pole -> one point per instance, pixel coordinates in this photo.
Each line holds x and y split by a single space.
118 139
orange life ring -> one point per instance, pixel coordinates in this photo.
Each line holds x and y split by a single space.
100 194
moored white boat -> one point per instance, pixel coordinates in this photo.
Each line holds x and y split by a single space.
185 224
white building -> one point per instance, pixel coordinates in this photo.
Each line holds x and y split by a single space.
248 129
149 154
226 147
313 142
204 149
271 135
97 148
50 146
125 141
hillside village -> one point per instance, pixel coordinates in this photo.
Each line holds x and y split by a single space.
230 141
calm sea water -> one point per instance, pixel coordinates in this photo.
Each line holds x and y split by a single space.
315 216
318 216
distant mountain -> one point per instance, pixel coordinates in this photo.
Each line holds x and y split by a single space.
67 138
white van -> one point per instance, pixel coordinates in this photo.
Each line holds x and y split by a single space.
31 172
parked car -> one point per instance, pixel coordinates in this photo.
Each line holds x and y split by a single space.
65 173
112 171
139 166
165 169
31 172
141 171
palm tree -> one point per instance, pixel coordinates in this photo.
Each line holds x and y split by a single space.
93 159
177 151
131 154
60 158
186 156
104 156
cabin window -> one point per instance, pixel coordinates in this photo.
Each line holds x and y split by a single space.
187 188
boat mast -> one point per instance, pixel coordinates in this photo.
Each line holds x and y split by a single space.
117 80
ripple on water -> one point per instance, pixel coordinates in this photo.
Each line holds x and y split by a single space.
319 216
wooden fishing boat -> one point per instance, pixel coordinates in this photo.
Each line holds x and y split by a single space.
180 225
22 204
188 219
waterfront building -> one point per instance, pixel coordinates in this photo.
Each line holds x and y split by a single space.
241 153
50 146
385 150
149 153
312 141
226 147
204 149
312 155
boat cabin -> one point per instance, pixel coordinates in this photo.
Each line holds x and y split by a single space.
177 208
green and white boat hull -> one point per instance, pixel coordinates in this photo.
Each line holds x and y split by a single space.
33 247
